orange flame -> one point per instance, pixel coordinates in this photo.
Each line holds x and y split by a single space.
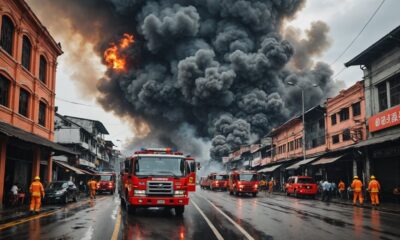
112 56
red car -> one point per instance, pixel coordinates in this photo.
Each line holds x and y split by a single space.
219 181
242 182
106 182
301 185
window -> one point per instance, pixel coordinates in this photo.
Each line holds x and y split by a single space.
42 113
7 33
344 114
356 109
335 139
346 135
42 69
23 102
394 91
26 53
4 89
382 96
333 119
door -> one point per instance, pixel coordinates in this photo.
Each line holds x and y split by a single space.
192 175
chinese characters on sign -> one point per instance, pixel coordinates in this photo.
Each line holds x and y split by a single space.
384 119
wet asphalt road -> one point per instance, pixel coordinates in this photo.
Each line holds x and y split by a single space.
211 215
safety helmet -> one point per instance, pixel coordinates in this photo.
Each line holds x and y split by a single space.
372 177
355 177
37 178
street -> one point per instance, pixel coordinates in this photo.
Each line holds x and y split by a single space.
210 215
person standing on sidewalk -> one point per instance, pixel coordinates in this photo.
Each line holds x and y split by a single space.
342 189
37 193
373 188
356 185
326 188
92 188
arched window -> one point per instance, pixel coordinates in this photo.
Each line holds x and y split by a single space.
4 90
42 69
42 113
23 102
7 33
26 53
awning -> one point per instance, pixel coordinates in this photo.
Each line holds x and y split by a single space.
300 163
269 169
377 140
12 131
326 160
69 167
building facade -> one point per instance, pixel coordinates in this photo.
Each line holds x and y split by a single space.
28 60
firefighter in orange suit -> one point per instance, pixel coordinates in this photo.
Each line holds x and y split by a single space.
373 188
342 188
356 185
37 192
92 188
270 185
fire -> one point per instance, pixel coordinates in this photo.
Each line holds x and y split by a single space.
112 56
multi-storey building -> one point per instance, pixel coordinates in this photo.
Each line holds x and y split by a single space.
28 60
381 151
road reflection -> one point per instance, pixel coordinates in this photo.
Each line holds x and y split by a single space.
358 221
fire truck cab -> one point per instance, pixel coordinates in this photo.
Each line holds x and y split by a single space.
218 181
106 182
243 182
157 177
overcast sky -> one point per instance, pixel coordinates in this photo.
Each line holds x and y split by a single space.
344 17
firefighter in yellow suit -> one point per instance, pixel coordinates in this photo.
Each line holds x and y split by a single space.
37 192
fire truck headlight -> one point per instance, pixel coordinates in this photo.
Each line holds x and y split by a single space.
256 186
140 193
179 193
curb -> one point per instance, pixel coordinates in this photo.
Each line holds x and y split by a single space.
23 215
381 209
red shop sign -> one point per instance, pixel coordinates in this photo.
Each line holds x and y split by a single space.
384 119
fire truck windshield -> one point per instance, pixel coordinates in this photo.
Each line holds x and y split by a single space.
221 177
106 178
247 177
160 166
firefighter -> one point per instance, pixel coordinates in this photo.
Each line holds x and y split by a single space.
356 185
37 192
270 185
263 184
373 188
342 188
92 188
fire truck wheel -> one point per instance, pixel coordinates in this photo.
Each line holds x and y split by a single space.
129 208
179 210
235 192
230 192
254 194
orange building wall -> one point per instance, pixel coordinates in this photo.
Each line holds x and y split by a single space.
345 99
285 135
27 24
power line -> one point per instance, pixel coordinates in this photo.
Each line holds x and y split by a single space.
358 35
76 103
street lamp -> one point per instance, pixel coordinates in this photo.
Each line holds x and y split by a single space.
302 111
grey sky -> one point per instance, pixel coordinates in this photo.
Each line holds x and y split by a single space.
344 17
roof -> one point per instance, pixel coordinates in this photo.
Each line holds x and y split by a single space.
99 125
377 140
32 15
296 118
269 169
300 163
25 136
382 46
69 167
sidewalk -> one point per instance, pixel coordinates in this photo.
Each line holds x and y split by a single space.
383 207
12 214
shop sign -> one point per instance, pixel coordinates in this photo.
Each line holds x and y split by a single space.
384 119
386 152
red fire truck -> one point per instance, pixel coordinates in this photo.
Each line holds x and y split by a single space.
106 182
241 182
157 177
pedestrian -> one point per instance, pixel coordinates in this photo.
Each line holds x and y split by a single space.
326 188
357 185
342 189
14 194
374 187
92 188
37 193
270 186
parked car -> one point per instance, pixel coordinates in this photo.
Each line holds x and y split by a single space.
219 181
203 183
61 192
301 185
243 182
106 182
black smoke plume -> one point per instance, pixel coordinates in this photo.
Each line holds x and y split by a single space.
201 71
